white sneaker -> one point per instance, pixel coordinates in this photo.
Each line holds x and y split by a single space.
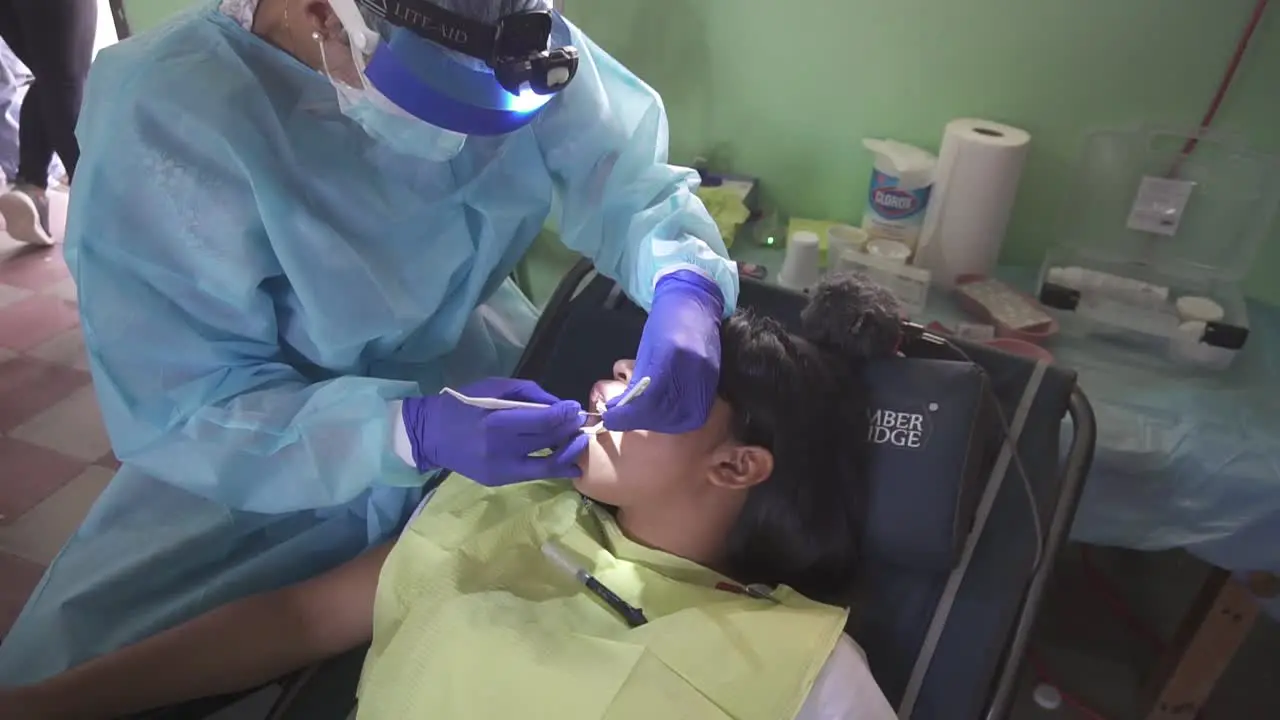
26 216
60 181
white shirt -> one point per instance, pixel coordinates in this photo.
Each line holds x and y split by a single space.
845 689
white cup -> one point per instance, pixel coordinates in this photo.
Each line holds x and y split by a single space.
841 239
800 264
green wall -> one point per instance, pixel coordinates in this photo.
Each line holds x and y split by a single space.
146 14
787 90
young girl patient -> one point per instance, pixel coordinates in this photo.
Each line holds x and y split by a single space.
724 562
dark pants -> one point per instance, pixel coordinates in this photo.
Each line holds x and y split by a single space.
54 38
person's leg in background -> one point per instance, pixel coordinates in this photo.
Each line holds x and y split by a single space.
15 78
24 207
56 43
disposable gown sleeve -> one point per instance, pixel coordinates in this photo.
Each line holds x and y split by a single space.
180 309
604 140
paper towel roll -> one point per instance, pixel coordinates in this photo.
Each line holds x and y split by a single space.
979 166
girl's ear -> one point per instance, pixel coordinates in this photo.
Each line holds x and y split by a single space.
740 467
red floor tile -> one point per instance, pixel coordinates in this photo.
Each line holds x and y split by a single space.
33 268
18 577
29 386
31 474
27 323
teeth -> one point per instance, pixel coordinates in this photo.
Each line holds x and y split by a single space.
596 425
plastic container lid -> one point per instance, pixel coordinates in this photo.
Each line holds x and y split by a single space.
913 166
1230 209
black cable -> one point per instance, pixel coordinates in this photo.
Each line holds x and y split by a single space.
917 333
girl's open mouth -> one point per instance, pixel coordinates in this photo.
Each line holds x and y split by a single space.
595 408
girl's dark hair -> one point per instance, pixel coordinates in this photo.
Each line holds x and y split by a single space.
801 396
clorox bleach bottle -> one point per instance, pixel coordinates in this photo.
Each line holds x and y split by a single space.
901 184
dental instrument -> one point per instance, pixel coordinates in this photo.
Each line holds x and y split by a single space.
641 385
499 404
489 403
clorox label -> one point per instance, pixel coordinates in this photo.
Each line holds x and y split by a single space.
893 213
892 203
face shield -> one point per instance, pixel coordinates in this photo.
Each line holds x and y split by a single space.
429 77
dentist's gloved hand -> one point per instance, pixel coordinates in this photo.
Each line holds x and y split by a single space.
680 354
493 447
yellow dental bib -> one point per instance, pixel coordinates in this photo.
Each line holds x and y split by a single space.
471 621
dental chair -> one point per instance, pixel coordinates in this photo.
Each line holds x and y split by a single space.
971 500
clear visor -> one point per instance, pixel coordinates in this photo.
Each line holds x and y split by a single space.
350 81
368 28
379 115
376 25
396 70
365 27
365 31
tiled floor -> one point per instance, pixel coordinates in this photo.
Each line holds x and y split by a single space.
54 454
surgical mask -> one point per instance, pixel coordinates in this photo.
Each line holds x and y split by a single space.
386 122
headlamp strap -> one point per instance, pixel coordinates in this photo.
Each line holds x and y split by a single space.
461 34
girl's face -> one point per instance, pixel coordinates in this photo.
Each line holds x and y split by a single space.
633 468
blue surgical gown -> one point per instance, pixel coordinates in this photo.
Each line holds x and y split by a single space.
259 281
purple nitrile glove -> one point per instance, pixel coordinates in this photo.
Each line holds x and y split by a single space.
680 354
493 447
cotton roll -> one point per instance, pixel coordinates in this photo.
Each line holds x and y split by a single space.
891 250
979 167
1192 330
1192 307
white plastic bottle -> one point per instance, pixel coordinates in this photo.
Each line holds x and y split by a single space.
901 183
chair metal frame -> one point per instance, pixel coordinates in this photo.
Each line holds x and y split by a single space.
1075 469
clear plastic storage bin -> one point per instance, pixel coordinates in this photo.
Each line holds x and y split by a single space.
1158 231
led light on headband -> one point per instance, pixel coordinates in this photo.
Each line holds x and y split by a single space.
515 48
